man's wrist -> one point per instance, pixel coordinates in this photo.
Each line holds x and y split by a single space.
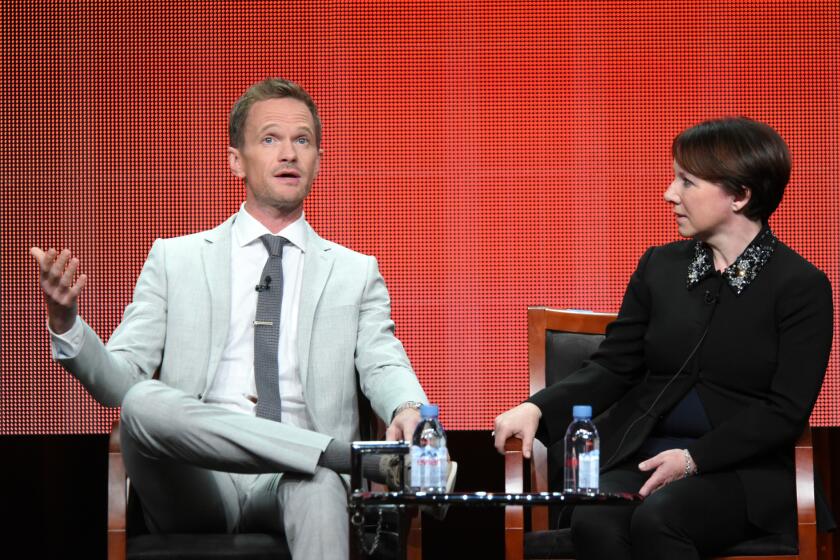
68 344
60 325
405 406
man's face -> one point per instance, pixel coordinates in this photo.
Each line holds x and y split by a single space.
278 158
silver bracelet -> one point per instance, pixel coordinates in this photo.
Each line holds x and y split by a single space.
690 468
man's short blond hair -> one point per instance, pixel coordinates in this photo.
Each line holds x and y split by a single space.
270 88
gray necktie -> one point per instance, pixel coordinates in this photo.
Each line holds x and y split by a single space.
267 329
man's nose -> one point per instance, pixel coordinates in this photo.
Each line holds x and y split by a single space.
286 151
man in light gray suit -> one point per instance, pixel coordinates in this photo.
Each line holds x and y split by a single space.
223 439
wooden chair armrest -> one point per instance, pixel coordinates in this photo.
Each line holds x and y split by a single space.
514 515
513 444
415 537
116 496
514 465
806 515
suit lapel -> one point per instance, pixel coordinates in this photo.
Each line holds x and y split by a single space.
215 256
317 265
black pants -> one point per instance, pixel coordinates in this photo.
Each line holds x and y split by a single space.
689 518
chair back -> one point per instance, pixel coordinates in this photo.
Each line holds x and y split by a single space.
559 341
565 352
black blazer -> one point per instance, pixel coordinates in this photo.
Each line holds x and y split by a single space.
758 370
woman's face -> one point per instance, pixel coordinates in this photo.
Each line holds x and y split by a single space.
702 209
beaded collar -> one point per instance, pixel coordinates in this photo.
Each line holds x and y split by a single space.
743 271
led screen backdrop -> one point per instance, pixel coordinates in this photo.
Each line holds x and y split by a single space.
492 155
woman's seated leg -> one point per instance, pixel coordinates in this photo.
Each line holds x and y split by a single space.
600 532
690 518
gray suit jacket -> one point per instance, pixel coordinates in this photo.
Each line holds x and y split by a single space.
178 320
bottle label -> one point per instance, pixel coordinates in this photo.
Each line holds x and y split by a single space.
429 468
588 465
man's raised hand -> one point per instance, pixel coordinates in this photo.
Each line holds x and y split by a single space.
60 285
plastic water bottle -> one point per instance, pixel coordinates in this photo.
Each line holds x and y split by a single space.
429 458
582 459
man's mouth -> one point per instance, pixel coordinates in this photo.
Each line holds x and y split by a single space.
287 174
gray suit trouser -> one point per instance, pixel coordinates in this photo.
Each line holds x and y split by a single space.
202 468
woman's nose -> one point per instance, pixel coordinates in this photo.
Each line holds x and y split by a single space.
670 194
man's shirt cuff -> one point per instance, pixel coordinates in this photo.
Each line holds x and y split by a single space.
67 345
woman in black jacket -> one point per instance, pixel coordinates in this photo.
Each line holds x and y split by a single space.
711 370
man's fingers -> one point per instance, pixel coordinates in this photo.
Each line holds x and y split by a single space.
43 258
60 264
54 267
69 273
37 253
72 293
402 428
58 269
81 281
403 425
58 275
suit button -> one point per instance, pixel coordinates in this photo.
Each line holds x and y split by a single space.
198 396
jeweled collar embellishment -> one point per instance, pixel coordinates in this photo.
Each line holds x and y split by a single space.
743 271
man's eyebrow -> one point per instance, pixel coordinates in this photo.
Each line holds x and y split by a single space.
302 128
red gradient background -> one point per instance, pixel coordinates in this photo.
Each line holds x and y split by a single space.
492 155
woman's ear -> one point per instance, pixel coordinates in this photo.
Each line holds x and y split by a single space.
740 201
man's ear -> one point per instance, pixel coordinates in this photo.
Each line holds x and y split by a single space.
740 201
318 163
235 162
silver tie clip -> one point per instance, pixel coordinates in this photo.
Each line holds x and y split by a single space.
263 323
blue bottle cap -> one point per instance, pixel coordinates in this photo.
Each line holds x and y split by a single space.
582 411
429 411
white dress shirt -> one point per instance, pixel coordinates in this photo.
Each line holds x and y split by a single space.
233 386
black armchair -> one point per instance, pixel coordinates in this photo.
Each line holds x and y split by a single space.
559 341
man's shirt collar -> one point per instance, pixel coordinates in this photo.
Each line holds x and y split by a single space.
247 230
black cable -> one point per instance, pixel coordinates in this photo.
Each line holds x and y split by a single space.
709 300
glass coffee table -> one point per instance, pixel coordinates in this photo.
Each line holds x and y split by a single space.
406 502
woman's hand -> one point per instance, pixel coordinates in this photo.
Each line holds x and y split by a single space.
667 467
522 422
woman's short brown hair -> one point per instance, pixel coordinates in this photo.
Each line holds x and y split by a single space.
738 153
270 88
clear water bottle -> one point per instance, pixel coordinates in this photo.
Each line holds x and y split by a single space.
429 458
582 459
